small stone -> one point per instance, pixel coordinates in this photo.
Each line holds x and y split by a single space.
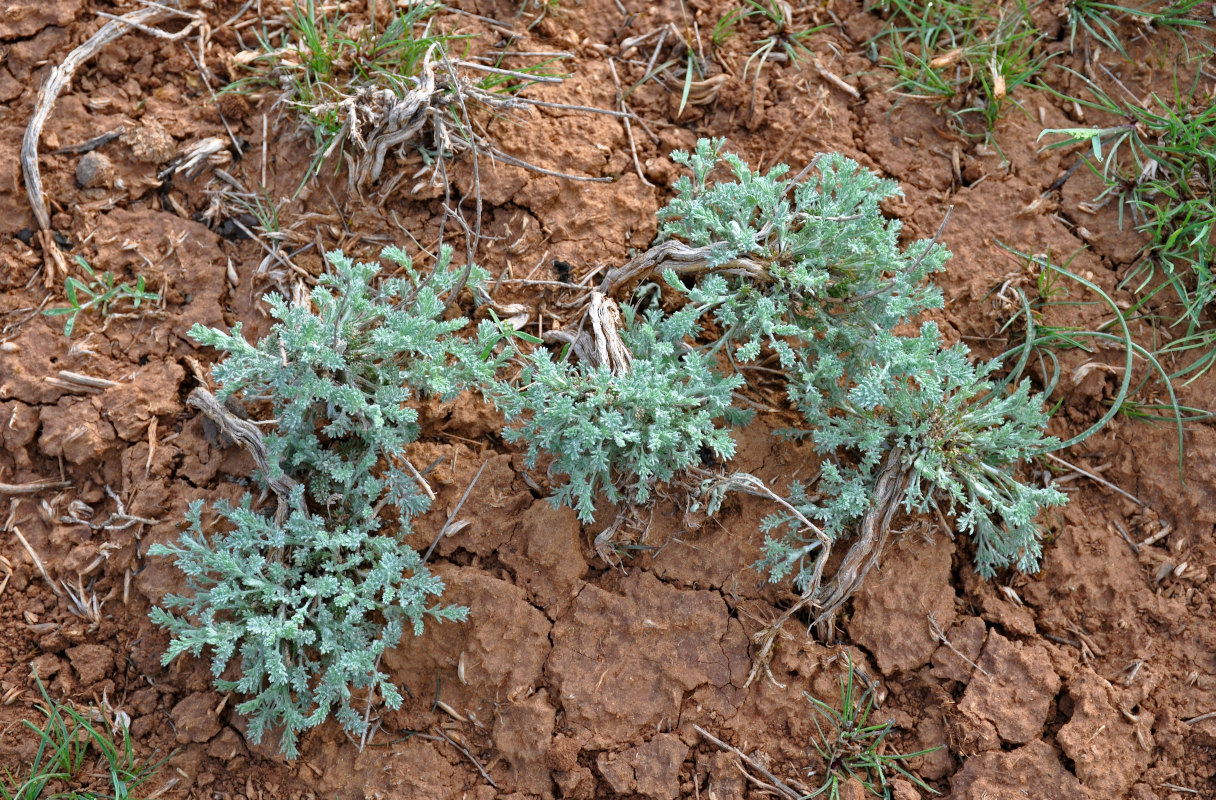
94 171
852 789
150 143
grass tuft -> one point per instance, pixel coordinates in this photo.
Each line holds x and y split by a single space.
1159 166
966 58
1101 22
853 746
1039 341
77 759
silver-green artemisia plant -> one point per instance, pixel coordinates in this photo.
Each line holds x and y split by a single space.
621 432
306 605
811 272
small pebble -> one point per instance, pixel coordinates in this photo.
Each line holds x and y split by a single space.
94 171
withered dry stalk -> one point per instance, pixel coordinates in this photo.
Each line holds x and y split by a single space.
602 345
58 79
33 487
376 120
826 598
682 259
247 435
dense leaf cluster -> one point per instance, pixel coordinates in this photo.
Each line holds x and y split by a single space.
805 275
619 434
826 289
306 604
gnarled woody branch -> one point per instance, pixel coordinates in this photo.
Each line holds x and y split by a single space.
603 346
247 435
682 259
873 533
685 259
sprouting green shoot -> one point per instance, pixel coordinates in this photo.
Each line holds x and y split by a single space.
98 293
785 37
853 746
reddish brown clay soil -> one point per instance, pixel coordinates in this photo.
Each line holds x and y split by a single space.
575 678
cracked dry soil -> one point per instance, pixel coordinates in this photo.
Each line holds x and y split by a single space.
573 678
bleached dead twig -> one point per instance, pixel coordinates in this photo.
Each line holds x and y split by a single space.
936 630
61 76
1093 476
751 762
465 751
37 561
448 522
33 487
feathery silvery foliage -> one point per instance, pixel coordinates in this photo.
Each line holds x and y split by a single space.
306 604
811 272
621 433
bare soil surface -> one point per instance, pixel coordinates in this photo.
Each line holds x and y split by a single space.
573 677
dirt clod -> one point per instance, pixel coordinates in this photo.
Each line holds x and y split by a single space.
967 637
74 429
92 662
195 718
623 662
1034 770
94 171
891 610
656 766
1109 747
522 733
1013 699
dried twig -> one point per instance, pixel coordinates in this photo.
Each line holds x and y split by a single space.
835 80
367 713
869 545
467 755
7 566
247 435
455 511
87 381
1093 476
683 259
59 78
1127 538
751 762
1165 531
1177 788
33 487
37 561
92 144
941 637
620 99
